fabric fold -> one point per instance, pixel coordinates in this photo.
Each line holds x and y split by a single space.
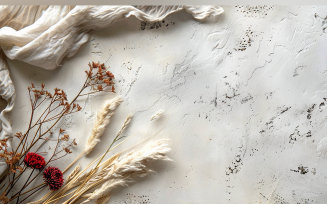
7 92
59 31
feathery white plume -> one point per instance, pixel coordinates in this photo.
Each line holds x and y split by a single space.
157 115
130 166
126 123
102 120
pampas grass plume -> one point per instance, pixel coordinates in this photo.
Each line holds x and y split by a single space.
130 166
157 115
102 120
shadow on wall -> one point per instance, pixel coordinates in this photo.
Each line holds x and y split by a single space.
3 104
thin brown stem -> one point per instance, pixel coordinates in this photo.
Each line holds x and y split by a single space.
32 193
59 157
40 170
55 121
29 128
14 181
25 183
27 191
25 135
41 102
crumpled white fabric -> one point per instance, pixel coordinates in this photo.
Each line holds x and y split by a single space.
59 31
46 36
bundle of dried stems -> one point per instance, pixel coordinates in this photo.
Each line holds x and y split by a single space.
103 176
46 108
110 174
132 165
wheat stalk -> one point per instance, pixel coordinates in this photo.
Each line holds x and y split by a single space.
73 173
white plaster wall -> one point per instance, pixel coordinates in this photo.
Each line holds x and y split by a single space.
244 99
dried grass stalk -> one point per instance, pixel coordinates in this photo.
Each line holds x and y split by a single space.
157 115
103 199
79 180
109 161
102 120
130 166
73 173
126 123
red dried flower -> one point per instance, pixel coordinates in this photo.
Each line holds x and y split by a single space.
34 160
53 177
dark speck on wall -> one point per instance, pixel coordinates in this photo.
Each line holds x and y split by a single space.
301 169
154 25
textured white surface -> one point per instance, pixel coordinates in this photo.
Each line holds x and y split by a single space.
243 94
46 36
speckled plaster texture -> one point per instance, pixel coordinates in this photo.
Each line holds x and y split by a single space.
244 95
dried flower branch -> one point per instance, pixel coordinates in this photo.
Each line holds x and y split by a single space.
52 107
102 177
